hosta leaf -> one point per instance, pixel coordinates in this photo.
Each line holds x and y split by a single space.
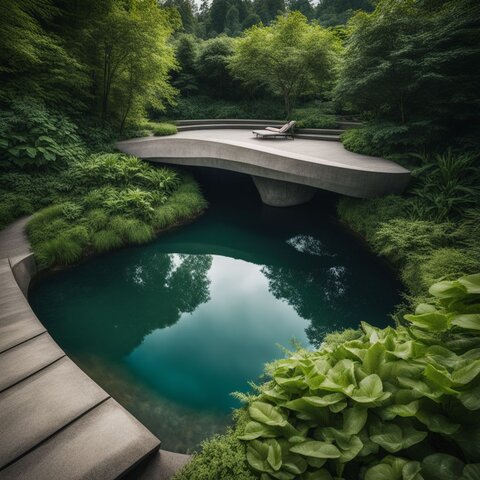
393 438
471 398
316 462
434 322
441 466
411 470
276 395
294 464
369 389
350 449
354 419
382 471
316 449
468 321
340 378
267 414
466 374
338 407
373 358
274 456
471 472
424 308
440 377
471 283
255 430
447 289
318 475
406 410
324 401
257 453
295 382
437 423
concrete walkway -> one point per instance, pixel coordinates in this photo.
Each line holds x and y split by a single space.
309 163
55 422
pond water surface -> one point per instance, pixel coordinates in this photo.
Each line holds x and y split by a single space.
171 328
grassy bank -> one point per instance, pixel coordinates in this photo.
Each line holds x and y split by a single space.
114 200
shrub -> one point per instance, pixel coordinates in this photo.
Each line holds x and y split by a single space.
105 240
162 129
31 135
131 202
222 457
61 250
96 219
355 409
131 230
399 238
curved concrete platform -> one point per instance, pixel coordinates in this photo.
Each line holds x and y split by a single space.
312 163
56 422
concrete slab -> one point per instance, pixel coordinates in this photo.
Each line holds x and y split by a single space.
27 358
42 404
315 163
160 466
18 327
100 445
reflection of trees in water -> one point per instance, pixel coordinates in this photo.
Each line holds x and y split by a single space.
165 286
317 295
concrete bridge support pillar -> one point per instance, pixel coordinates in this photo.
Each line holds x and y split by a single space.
278 193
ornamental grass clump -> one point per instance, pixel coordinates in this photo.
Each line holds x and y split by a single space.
393 404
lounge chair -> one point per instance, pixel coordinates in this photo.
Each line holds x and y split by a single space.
272 132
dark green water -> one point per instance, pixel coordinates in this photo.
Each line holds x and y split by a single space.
169 329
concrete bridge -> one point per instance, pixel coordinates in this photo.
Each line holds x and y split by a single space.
285 172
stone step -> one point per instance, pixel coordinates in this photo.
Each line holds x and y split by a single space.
229 121
103 444
330 138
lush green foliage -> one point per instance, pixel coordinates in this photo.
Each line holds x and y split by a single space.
111 58
162 129
31 135
117 200
290 58
410 67
430 233
222 457
355 409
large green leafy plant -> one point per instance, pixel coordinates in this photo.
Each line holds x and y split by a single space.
392 404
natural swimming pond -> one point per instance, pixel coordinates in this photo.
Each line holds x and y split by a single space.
171 328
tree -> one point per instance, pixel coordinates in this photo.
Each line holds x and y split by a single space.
268 9
415 64
185 8
291 58
251 20
134 59
212 66
302 6
232 22
337 12
186 52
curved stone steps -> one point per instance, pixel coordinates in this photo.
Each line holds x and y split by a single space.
56 422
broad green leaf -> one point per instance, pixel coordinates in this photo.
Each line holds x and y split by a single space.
468 321
274 456
471 472
394 438
369 389
257 453
316 449
434 322
294 464
341 378
338 407
255 430
267 414
406 410
471 398
471 283
424 308
411 470
447 289
437 423
276 395
350 449
466 374
354 419
441 466
318 475
440 377
373 358
324 401
382 471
